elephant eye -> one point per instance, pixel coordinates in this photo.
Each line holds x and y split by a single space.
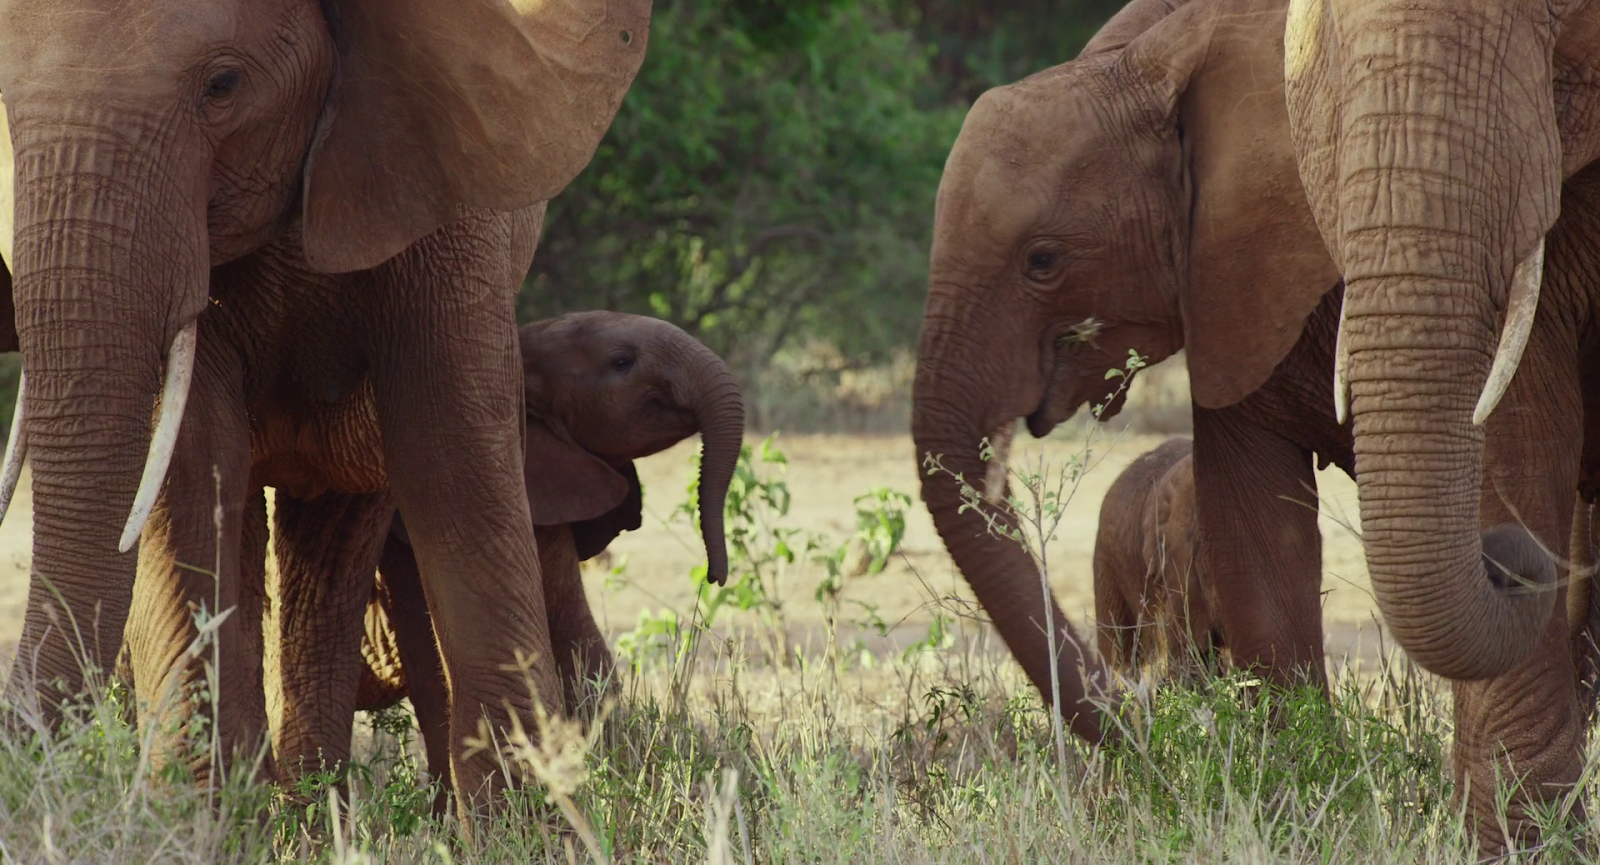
622 361
222 85
1043 263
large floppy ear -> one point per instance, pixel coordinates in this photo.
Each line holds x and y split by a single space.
593 536
566 484
1256 264
443 105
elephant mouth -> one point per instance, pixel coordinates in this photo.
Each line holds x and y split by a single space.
1057 408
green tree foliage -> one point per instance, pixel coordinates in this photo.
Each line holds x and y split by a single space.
771 175
979 44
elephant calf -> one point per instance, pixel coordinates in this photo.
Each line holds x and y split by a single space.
603 389
1152 597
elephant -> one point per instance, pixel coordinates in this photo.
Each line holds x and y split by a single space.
1128 201
1153 600
602 390
1448 152
278 244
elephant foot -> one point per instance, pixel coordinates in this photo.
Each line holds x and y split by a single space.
1519 748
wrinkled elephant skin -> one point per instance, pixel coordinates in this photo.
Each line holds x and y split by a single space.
1437 184
1153 599
602 390
293 222
1091 210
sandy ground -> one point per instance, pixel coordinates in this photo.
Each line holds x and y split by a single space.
825 474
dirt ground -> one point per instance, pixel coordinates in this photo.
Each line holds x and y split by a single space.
824 475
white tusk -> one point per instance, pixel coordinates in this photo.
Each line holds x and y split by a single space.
16 447
994 481
1520 308
174 394
1341 369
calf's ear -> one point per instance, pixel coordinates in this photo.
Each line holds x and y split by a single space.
565 483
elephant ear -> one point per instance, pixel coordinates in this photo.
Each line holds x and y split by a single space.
8 193
8 205
443 106
593 536
567 484
1257 265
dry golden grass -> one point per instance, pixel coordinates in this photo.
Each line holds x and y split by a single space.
826 472
933 755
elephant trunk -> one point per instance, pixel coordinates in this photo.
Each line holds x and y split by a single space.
103 284
1429 268
952 408
718 407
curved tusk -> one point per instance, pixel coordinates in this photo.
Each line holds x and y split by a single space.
16 447
994 480
1341 369
174 395
1520 308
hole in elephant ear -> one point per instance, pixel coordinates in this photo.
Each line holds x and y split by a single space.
441 108
565 483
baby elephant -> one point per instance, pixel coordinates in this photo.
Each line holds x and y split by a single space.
1153 599
603 389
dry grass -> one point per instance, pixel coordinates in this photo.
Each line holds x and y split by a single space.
793 730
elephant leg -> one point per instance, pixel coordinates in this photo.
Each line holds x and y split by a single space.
252 614
1583 606
448 379
582 657
189 559
1116 624
327 550
1526 726
1255 498
405 607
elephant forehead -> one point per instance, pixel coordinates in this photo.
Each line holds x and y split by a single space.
46 43
1002 194
1027 150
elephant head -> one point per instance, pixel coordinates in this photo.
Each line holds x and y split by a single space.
606 388
1428 140
1089 211
157 139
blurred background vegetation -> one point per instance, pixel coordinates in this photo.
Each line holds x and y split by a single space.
768 185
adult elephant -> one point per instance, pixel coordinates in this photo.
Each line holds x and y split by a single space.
1438 142
602 390
1134 199
314 216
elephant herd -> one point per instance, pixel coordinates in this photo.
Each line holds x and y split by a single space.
1374 229
277 243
